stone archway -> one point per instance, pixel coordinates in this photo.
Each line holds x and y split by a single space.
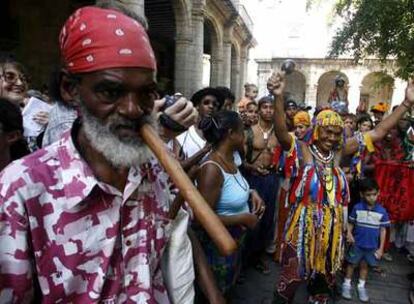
296 86
326 84
377 87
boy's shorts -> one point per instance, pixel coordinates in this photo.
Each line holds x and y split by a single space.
356 255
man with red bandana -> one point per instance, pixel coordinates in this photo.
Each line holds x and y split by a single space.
85 219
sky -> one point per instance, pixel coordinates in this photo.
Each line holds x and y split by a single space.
285 28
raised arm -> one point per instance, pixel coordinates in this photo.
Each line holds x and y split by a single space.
276 85
388 123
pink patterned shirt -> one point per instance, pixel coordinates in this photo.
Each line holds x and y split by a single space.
66 237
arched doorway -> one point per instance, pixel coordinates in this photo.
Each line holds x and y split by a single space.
162 33
326 85
296 86
377 87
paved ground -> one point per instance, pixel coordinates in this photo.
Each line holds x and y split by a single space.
391 287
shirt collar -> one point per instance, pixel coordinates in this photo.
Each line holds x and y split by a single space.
367 207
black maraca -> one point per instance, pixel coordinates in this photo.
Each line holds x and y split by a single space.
288 66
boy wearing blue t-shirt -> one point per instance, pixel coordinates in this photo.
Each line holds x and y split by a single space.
366 232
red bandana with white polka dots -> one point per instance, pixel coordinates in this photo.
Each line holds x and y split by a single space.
94 39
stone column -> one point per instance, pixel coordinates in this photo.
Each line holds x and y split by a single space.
311 93
398 91
311 87
183 70
217 64
227 64
235 76
244 57
195 70
354 90
263 74
227 52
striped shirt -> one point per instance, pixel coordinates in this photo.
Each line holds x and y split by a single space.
367 224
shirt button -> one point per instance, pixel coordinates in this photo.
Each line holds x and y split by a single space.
128 243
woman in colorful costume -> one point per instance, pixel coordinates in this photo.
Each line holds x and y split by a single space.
314 232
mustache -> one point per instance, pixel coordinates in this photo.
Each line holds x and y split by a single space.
116 121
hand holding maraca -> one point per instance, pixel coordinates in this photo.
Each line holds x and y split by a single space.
277 82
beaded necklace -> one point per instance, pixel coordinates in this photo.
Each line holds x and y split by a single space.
324 168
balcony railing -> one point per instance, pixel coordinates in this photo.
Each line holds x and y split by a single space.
235 3
246 17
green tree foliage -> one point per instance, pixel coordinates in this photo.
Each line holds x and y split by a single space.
383 28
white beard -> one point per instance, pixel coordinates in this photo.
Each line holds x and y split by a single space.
121 153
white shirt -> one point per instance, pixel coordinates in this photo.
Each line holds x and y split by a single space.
191 142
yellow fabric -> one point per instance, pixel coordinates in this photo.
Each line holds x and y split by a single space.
337 230
317 240
327 118
302 118
382 107
309 242
292 145
359 167
368 143
331 192
325 231
295 219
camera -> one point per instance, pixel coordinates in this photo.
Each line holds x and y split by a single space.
165 120
170 100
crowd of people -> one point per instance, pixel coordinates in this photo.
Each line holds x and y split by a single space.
88 215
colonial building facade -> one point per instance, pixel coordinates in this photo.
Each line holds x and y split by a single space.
314 79
181 32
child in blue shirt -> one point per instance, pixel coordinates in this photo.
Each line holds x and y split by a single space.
366 232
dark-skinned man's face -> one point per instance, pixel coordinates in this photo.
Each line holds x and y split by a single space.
266 111
122 98
114 104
